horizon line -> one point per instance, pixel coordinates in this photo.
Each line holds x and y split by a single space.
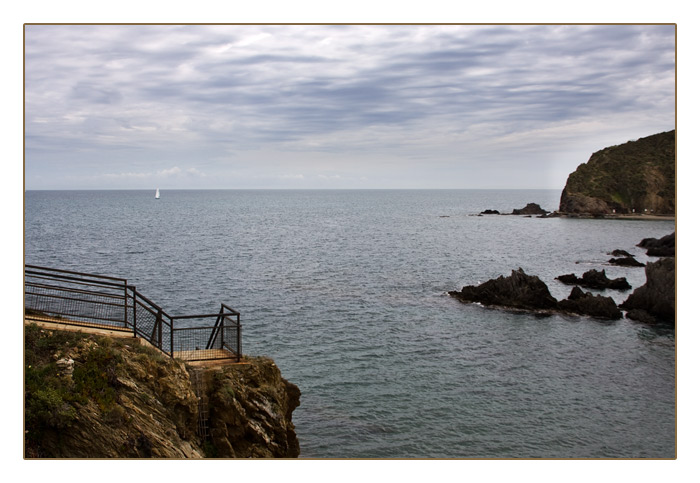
293 189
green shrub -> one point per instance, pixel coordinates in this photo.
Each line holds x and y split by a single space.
97 377
50 407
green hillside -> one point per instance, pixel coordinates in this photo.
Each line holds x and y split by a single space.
632 177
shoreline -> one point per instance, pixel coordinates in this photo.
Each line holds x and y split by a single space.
636 216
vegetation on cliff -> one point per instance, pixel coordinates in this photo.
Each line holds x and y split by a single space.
632 177
89 396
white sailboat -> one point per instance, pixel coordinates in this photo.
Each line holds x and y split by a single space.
157 193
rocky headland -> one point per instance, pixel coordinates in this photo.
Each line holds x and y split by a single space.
636 177
91 396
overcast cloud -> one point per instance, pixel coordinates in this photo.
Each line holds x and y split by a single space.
250 106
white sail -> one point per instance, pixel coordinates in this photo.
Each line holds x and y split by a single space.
157 193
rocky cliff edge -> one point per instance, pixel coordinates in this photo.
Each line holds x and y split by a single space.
90 396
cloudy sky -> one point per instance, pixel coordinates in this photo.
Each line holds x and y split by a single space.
336 106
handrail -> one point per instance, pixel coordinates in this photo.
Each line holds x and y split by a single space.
95 300
37 267
200 316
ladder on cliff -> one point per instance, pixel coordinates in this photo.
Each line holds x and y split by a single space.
202 405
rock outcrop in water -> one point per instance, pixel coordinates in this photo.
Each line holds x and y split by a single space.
518 291
620 253
527 292
89 396
662 247
655 301
530 209
638 176
626 262
595 279
585 303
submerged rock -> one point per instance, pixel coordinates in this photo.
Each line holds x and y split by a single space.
655 301
595 279
490 212
625 262
620 253
661 247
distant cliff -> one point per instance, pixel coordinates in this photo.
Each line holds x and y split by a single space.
632 177
88 396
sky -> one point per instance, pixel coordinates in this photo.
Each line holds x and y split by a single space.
336 106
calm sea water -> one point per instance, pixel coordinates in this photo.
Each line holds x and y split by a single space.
346 290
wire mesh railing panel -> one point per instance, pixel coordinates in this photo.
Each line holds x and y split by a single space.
190 344
150 322
143 318
231 335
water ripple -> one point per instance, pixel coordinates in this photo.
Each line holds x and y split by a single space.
347 291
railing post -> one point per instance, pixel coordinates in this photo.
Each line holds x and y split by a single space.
238 337
159 328
126 305
133 295
222 333
172 338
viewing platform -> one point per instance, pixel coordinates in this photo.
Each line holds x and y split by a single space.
105 305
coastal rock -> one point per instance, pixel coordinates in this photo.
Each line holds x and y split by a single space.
519 291
569 279
626 262
592 305
655 301
526 292
662 247
490 212
595 279
634 177
530 209
620 253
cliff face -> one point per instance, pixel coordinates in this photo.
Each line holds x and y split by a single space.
250 409
99 397
635 176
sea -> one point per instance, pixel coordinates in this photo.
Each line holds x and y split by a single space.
347 290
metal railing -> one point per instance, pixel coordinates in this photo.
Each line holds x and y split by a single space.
99 301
